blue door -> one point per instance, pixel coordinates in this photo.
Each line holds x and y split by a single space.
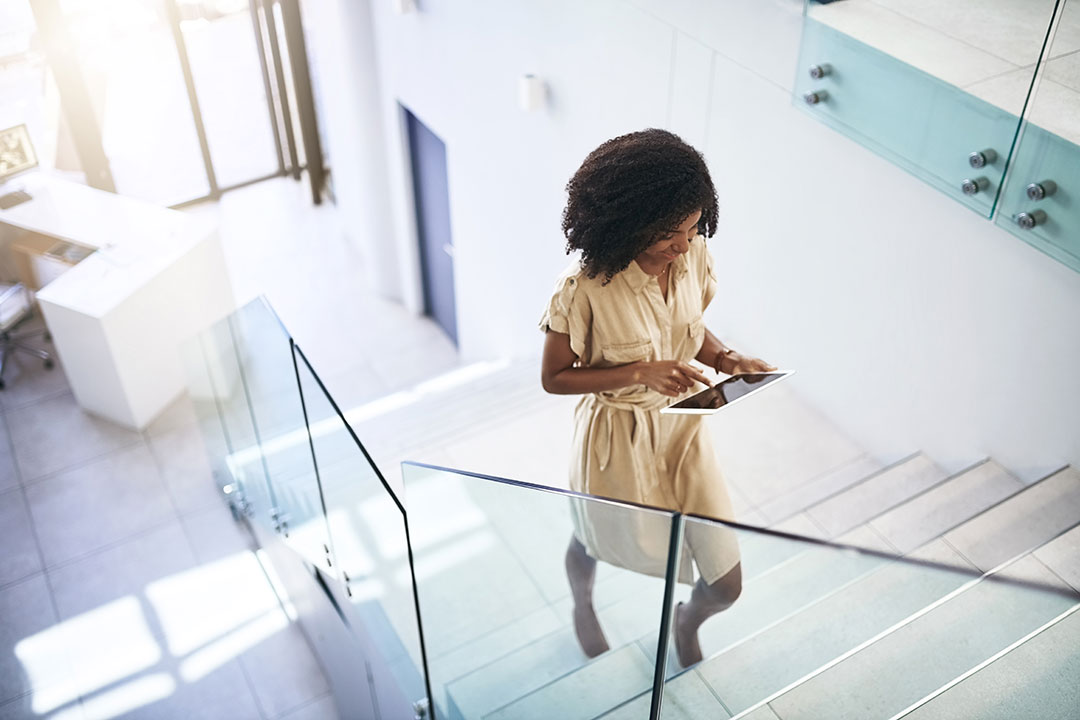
431 191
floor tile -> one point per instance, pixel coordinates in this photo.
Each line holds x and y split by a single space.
320 709
163 694
284 672
123 570
214 534
85 509
56 433
27 380
22 708
26 614
179 415
20 556
9 475
181 459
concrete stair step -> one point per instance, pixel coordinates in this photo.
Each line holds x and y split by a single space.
686 697
823 631
876 494
1036 679
1022 523
816 489
944 506
606 683
774 442
902 667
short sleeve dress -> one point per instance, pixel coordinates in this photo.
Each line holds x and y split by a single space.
623 448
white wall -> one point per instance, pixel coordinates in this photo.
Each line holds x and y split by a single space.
913 323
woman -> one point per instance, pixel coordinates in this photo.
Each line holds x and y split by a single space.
621 329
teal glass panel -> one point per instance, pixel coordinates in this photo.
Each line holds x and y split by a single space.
1047 155
817 630
369 546
916 120
269 377
493 560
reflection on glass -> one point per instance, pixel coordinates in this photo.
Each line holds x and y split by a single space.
988 49
497 606
935 87
368 540
1040 201
817 630
228 81
244 461
270 383
129 61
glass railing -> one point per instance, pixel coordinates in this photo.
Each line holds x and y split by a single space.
502 599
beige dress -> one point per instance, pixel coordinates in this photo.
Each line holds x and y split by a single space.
623 448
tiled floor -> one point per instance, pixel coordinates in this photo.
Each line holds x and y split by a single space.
126 590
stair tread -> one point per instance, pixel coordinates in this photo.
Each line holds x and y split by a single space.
817 489
1021 523
964 631
606 682
686 697
1062 555
876 494
786 652
1038 676
944 506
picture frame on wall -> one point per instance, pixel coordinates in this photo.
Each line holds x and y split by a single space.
16 151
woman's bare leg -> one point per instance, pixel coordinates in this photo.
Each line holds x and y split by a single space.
705 601
581 571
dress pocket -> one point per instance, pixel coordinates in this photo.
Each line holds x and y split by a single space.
696 330
627 352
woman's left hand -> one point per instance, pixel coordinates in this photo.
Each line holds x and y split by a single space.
734 363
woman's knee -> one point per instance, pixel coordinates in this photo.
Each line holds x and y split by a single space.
728 588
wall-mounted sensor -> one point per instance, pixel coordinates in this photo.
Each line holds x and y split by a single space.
532 93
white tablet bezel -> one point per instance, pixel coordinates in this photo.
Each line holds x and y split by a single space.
672 410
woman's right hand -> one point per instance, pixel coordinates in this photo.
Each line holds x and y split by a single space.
668 377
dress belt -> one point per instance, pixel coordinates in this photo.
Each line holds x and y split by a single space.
645 442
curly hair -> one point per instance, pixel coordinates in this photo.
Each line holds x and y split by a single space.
629 192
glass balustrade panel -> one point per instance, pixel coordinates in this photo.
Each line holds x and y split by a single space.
820 630
242 464
505 637
370 550
270 382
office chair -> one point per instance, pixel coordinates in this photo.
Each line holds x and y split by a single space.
15 307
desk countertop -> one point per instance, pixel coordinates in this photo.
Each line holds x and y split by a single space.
135 240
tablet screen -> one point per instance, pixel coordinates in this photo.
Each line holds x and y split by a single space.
724 393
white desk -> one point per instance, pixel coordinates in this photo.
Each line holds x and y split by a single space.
117 318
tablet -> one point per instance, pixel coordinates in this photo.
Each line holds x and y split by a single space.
723 393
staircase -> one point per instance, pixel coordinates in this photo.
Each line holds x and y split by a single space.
801 642
818 632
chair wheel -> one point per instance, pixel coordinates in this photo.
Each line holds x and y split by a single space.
1 384
49 364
